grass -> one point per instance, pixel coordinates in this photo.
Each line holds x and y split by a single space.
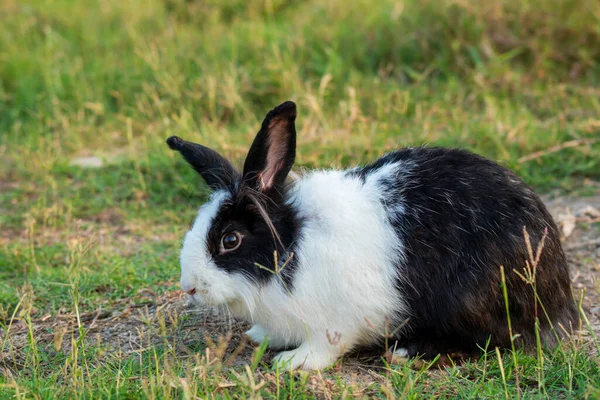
114 79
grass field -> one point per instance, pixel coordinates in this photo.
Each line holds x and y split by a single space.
93 205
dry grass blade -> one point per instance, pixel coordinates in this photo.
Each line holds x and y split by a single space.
557 148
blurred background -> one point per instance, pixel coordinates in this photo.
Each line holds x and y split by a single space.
505 78
90 90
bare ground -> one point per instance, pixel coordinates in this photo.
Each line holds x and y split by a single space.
579 220
134 327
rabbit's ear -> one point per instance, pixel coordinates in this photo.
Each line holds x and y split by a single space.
273 151
216 170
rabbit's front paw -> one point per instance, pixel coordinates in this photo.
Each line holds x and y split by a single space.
257 333
305 358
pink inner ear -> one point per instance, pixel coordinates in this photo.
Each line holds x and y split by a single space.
277 143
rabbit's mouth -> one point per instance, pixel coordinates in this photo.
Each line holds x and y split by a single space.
193 299
198 297
204 299
213 296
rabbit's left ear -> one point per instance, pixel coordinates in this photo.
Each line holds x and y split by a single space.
273 151
216 170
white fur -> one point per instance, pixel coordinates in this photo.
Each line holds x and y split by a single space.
258 334
399 355
344 286
198 271
399 352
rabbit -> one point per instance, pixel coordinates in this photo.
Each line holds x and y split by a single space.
407 249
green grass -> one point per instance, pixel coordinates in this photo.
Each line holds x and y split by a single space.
114 79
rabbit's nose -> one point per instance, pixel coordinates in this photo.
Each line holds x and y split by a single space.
191 292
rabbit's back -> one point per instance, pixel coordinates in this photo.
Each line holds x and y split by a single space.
460 218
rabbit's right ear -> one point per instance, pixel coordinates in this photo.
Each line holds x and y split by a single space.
216 170
273 151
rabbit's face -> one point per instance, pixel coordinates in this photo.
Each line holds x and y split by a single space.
229 251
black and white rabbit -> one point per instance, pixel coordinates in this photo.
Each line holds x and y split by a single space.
412 242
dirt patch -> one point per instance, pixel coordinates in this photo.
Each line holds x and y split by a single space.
132 327
579 220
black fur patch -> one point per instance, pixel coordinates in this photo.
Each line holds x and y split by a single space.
464 218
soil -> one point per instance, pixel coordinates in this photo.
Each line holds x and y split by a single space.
579 219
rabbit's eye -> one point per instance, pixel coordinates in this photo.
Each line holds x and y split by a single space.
231 241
